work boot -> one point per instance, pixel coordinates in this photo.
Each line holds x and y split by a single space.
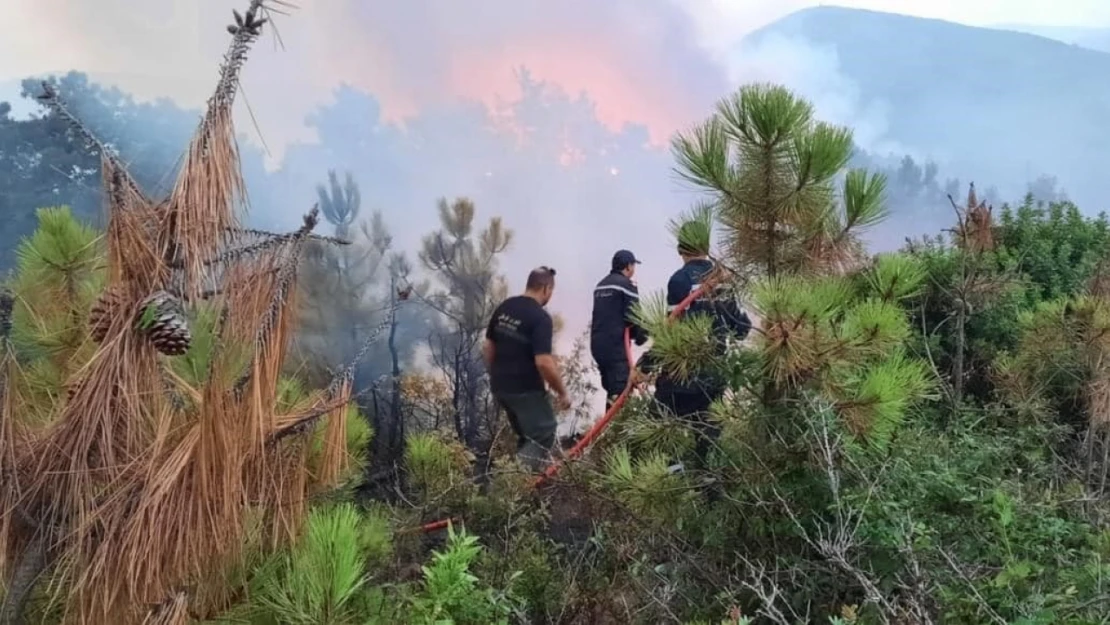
534 457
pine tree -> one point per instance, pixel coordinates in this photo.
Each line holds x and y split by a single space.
824 383
133 438
465 264
60 272
770 171
340 204
829 353
345 286
1063 359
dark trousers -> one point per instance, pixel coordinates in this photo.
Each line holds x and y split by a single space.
533 421
692 408
614 378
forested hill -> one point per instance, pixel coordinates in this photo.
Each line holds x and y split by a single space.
1092 38
993 104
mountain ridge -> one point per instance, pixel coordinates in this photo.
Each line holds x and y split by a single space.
993 105
1094 38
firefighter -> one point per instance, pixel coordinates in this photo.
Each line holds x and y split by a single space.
614 298
689 400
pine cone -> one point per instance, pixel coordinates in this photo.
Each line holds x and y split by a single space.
100 315
162 317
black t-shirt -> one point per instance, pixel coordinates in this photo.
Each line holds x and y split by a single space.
520 330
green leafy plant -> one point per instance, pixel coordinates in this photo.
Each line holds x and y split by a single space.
451 595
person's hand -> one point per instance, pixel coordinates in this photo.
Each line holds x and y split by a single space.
640 377
637 377
562 402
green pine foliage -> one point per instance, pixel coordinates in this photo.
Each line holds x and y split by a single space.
436 465
59 273
318 581
293 397
198 362
684 347
334 576
694 229
771 172
645 485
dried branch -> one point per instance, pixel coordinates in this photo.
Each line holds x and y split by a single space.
308 420
54 102
983 604
239 253
347 373
273 235
286 273
341 377
246 29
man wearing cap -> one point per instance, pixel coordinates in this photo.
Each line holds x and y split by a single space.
614 298
689 399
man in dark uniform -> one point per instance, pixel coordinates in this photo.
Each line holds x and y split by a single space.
517 351
614 298
689 400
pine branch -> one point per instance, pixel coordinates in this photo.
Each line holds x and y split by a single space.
53 101
347 373
246 29
273 241
308 421
286 274
273 235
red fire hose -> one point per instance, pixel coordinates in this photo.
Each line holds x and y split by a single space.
598 427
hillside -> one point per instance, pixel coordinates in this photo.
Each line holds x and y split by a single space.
1093 38
960 93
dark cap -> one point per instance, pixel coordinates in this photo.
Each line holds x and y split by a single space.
624 258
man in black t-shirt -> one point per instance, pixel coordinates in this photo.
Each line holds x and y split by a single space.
518 355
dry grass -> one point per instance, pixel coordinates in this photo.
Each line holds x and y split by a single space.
173 611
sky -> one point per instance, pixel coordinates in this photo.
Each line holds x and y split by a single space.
633 57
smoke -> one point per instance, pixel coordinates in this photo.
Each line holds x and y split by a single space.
814 72
552 115
657 63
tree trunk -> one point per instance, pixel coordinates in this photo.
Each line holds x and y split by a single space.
456 398
32 562
395 444
958 356
473 412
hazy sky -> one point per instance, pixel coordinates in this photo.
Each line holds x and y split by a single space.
634 58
